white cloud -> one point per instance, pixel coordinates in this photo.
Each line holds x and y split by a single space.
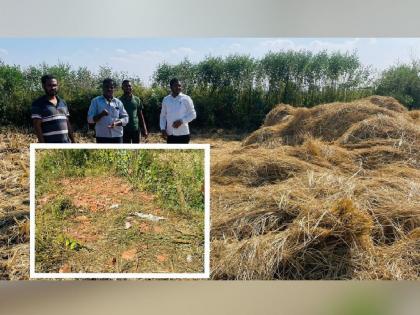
182 51
348 45
147 54
144 63
277 45
171 56
235 46
4 51
121 51
315 45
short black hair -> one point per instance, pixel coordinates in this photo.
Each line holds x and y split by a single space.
125 81
173 81
47 77
108 81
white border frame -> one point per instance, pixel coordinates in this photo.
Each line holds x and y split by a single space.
54 275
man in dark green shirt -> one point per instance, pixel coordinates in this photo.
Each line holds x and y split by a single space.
134 108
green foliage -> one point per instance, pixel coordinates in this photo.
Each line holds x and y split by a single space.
20 87
15 98
58 163
151 99
62 207
235 92
68 242
402 81
238 91
184 71
175 176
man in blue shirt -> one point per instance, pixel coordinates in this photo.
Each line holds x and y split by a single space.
108 114
50 114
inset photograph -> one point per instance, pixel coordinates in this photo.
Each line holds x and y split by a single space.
126 213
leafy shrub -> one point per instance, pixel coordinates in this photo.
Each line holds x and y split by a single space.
175 176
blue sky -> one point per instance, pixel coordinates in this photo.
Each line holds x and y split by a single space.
140 56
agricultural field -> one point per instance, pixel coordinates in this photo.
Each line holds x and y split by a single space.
14 203
177 242
327 192
114 211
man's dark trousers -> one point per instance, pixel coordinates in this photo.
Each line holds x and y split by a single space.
178 139
109 140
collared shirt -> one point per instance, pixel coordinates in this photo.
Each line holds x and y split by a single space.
115 110
54 119
133 106
174 108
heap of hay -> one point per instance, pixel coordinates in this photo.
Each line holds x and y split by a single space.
258 166
327 122
14 204
330 192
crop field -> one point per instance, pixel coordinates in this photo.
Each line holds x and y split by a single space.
135 211
328 192
77 232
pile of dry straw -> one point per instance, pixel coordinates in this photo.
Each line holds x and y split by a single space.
14 203
329 192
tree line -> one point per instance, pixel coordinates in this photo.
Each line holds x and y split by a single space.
233 92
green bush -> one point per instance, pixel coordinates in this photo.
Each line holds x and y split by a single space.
401 81
175 176
233 92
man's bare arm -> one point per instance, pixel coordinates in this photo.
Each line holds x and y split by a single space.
71 133
144 124
38 129
96 118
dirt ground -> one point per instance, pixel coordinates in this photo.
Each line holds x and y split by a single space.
109 237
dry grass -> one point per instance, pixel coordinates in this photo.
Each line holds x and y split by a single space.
327 122
331 192
257 167
14 204
340 198
14 200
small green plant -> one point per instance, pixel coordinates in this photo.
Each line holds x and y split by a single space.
69 243
73 245
62 207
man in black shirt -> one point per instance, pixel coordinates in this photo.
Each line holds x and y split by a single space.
50 115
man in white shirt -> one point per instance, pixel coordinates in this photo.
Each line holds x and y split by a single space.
177 111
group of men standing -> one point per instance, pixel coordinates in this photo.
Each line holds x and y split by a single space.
116 120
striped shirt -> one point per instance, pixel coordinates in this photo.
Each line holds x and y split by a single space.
54 119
